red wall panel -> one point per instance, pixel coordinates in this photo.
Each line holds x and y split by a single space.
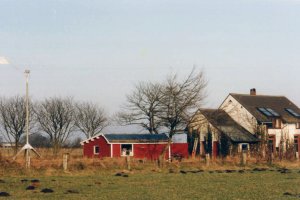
180 149
116 150
88 148
149 151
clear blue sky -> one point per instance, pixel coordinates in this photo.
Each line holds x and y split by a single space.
97 50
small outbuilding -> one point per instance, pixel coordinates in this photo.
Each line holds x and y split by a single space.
149 146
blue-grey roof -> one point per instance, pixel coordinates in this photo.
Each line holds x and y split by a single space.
136 138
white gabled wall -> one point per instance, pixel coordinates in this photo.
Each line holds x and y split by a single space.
239 114
200 124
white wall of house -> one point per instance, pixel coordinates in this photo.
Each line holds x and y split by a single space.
287 132
237 112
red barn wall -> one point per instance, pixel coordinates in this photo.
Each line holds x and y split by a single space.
149 151
180 149
116 150
88 148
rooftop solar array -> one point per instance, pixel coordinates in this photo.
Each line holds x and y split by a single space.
292 112
268 112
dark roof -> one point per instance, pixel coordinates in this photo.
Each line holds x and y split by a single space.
136 138
276 103
225 124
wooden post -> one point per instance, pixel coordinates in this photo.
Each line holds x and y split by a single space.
195 148
27 158
207 159
244 157
65 161
297 156
128 162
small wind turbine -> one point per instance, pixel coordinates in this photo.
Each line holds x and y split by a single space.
27 147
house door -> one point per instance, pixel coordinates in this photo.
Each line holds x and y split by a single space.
272 143
215 149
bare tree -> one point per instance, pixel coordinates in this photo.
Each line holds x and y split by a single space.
55 117
143 107
90 119
181 100
13 119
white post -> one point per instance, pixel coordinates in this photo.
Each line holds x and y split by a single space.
27 151
169 152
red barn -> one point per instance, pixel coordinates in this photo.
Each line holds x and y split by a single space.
148 146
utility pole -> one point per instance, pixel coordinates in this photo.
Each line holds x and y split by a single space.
27 147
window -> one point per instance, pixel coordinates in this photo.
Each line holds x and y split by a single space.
96 150
296 143
126 150
268 112
292 112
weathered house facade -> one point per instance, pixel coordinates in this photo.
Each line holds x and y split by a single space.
274 116
219 134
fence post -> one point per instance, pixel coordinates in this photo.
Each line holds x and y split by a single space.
128 162
244 157
207 158
65 161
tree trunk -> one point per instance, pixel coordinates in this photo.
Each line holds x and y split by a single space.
161 158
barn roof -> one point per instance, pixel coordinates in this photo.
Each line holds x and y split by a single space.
225 124
130 138
136 138
279 104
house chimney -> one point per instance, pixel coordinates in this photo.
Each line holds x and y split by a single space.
253 92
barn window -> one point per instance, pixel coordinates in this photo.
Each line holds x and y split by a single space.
96 149
126 150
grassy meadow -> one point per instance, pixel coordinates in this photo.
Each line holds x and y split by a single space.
109 179
159 185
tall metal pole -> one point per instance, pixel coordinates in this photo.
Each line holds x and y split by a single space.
27 147
27 151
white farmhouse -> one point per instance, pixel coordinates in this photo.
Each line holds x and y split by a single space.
276 115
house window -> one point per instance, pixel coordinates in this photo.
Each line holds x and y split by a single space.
296 143
96 150
126 150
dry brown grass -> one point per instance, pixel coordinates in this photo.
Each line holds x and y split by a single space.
49 165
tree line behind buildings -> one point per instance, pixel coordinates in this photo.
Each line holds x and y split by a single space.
154 106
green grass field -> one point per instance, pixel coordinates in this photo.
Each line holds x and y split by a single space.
160 185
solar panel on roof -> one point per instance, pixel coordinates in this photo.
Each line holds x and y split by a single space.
275 114
265 112
292 112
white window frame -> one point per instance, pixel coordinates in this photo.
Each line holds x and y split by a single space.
96 153
123 153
